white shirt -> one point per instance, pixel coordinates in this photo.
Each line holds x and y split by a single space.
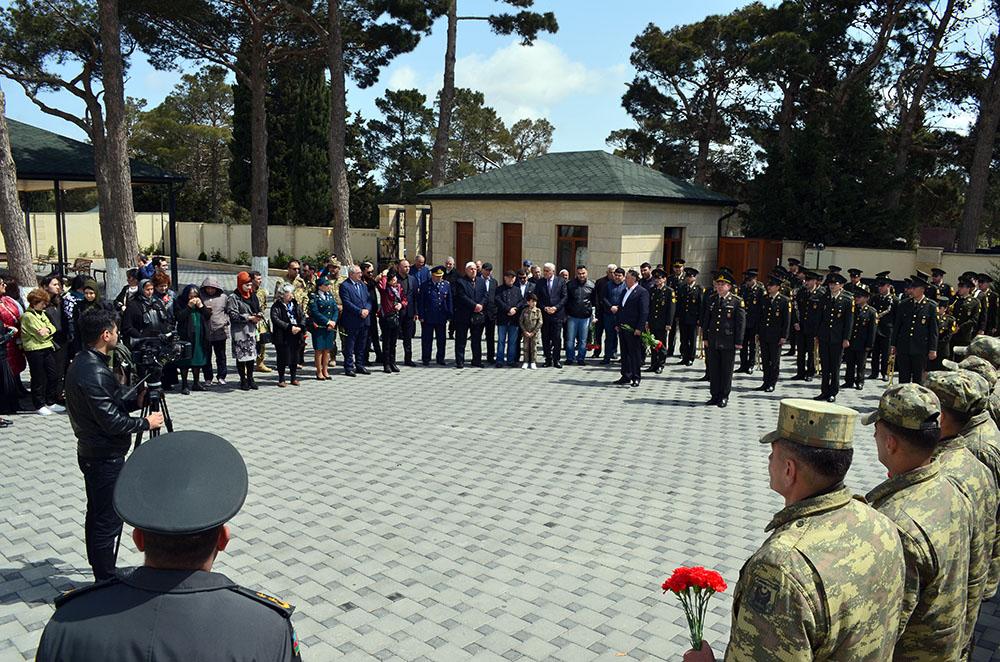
627 292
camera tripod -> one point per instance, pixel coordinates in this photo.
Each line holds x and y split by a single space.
156 401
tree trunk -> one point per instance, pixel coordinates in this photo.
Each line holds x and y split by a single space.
979 172
104 204
336 143
258 155
15 235
122 211
908 123
446 101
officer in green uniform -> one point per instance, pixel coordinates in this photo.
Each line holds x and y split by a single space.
862 338
808 301
791 274
884 301
662 307
828 584
836 322
965 309
178 491
775 322
915 333
752 292
690 298
674 281
723 326
854 277
934 521
989 317
947 326
937 280
962 396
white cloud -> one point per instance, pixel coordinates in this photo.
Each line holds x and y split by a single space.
403 77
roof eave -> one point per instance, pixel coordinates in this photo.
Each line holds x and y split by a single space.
711 202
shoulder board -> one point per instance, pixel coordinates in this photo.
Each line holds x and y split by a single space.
76 592
280 606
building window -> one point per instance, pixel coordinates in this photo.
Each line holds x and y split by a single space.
672 238
571 246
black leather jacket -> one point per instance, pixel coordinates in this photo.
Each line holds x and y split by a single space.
580 299
97 412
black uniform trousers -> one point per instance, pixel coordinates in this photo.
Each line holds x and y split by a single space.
830 356
632 353
671 338
689 336
552 344
472 333
805 358
880 356
491 339
719 363
428 334
373 344
407 329
770 359
657 359
748 353
856 360
101 526
793 340
910 367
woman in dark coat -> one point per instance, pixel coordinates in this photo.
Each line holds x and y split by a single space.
287 321
192 317
144 315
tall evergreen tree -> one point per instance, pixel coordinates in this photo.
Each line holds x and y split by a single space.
400 143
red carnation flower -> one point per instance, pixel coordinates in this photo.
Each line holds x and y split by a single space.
694 586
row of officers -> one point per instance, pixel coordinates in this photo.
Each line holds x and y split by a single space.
825 323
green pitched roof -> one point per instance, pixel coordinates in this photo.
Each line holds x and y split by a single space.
44 155
594 175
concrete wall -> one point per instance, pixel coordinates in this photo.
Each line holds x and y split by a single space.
900 263
83 236
624 233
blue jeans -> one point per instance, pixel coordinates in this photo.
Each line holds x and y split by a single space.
576 338
506 344
610 336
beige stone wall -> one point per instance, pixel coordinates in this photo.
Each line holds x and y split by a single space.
625 233
900 263
83 233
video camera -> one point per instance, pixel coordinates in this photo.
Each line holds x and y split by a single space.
150 354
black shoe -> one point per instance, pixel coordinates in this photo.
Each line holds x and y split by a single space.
244 386
797 377
846 385
859 386
547 364
442 362
581 362
659 369
425 363
621 381
386 369
769 389
820 398
394 367
557 364
873 375
605 361
762 387
491 359
185 391
713 401
253 385
197 387
350 373
635 383
703 378
477 364
809 378
460 366
831 398
362 371
722 403
411 364
651 369
683 362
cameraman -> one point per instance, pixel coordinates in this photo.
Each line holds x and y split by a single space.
103 429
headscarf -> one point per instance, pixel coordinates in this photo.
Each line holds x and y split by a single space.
181 302
242 278
142 286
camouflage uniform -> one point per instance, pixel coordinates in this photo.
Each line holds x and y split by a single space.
974 481
935 526
988 349
828 583
264 326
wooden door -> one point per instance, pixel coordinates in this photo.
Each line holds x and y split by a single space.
463 244
672 238
512 246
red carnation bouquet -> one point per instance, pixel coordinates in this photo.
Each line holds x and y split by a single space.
694 586
592 344
648 340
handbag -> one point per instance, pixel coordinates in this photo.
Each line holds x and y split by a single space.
477 319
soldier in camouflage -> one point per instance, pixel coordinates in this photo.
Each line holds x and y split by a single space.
934 521
962 392
987 350
828 584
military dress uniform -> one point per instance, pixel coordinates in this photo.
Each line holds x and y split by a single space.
753 295
914 336
723 326
885 311
434 307
947 326
690 298
965 310
182 483
775 323
989 314
828 583
862 341
674 282
808 303
835 326
662 310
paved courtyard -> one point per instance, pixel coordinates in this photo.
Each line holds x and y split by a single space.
440 514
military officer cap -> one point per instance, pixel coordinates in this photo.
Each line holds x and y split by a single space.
882 277
815 424
793 261
909 406
812 275
919 280
723 277
923 274
691 271
931 291
984 278
775 279
750 272
181 483
986 347
659 273
323 280
938 271
860 290
855 271
975 364
961 390
679 262
835 278
437 271
834 268
971 275
963 281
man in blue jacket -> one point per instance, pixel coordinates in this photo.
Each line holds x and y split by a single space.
355 320
433 310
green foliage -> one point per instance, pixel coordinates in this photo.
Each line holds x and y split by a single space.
52 252
399 143
528 139
216 256
280 261
479 139
202 257
243 258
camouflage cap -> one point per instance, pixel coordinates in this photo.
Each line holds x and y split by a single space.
909 406
816 424
961 390
976 364
986 347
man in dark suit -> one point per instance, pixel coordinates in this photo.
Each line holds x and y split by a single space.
407 325
355 321
634 313
490 283
470 318
552 295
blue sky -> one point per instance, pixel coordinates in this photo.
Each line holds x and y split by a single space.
575 78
